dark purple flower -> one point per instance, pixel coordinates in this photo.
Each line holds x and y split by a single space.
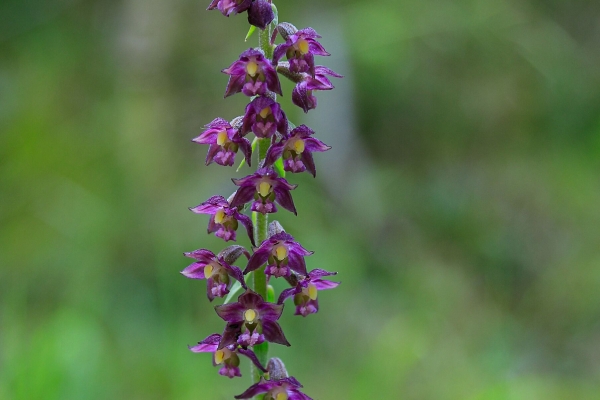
264 117
230 7
282 255
224 143
305 292
215 270
276 389
251 321
260 14
296 149
227 356
300 49
302 95
265 187
252 74
224 218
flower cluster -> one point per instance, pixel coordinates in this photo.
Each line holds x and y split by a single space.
252 321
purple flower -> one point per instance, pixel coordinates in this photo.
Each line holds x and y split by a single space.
265 187
302 95
260 14
224 218
227 356
282 255
296 149
224 143
300 48
264 117
276 389
215 270
305 292
252 74
229 7
251 321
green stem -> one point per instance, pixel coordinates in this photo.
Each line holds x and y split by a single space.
262 220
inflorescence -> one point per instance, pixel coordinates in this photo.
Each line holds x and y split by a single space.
251 321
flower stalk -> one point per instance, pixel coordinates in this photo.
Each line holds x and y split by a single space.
251 321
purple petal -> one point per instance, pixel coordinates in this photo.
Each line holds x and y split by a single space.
313 144
250 299
273 333
243 195
194 271
235 84
230 334
270 311
213 149
285 294
246 149
202 255
250 354
210 206
208 345
212 225
297 263
284 198
273 153
259 257
309 162
280 51
232 312
247 222
291 381
258 388
235 272
316 273
319 69
321 284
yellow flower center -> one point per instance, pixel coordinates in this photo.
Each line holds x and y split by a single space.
252 68
264 188
250 315
208 271
299 146
303 46
219 356
281 252
222 138
219 216
281 396
265 112
312 291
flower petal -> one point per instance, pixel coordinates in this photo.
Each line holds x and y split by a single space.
250 354
194 271
232 312
259 257
273 333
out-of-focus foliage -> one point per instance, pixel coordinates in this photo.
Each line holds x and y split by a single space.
466 230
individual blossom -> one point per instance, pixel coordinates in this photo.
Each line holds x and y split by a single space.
230 7
282 255
265 187
227 356
306 290
251 321
264 117
252 74
215 269
300 48
296 150
224 143
260 14
224 218
302 94
276 389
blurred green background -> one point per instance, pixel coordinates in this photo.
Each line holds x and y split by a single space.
460 203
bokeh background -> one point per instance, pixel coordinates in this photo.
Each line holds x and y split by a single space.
460 203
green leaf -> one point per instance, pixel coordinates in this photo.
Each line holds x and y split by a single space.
270 294
250 32
235 288
279 167
254 142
